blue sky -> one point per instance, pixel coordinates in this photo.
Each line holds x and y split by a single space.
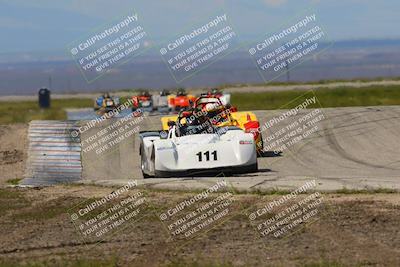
50 25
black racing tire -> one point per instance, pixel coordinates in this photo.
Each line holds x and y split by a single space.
145 176
250 168
159 174
254 167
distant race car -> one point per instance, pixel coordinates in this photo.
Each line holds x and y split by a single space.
161 103
224 115
143 101
106 103
181 100
225 98
195 145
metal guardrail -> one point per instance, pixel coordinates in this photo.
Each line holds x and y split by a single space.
54 154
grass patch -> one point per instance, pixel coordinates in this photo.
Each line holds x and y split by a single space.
346 191
339 97
25 111
61 263
268 192
184 263
11 199
329 81
14 181
46 210
325 263
184 192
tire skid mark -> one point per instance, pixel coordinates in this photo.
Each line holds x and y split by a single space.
334 144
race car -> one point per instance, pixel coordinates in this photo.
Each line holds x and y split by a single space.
193 146
161 102
143 101
106 103
225 98
181 100
225 115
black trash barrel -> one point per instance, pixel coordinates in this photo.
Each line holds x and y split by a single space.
44 98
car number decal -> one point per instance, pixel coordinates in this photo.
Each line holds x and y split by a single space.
207 155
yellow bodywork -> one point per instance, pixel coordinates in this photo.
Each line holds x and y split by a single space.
166 119
235 119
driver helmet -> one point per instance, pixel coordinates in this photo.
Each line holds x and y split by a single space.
209 107
181 92
164 93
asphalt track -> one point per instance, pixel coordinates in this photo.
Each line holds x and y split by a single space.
353 148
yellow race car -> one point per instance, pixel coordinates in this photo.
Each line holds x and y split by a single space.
221 116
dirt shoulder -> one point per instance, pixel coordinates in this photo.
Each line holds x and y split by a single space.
13 147
353 230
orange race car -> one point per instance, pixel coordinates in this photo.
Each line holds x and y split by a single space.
181 100
143 101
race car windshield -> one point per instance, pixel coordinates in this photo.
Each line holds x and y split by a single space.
196 126
208 100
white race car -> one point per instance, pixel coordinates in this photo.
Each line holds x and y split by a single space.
193 145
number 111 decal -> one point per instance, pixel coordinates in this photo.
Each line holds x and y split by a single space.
207 155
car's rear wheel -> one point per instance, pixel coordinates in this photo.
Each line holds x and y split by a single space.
250 168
